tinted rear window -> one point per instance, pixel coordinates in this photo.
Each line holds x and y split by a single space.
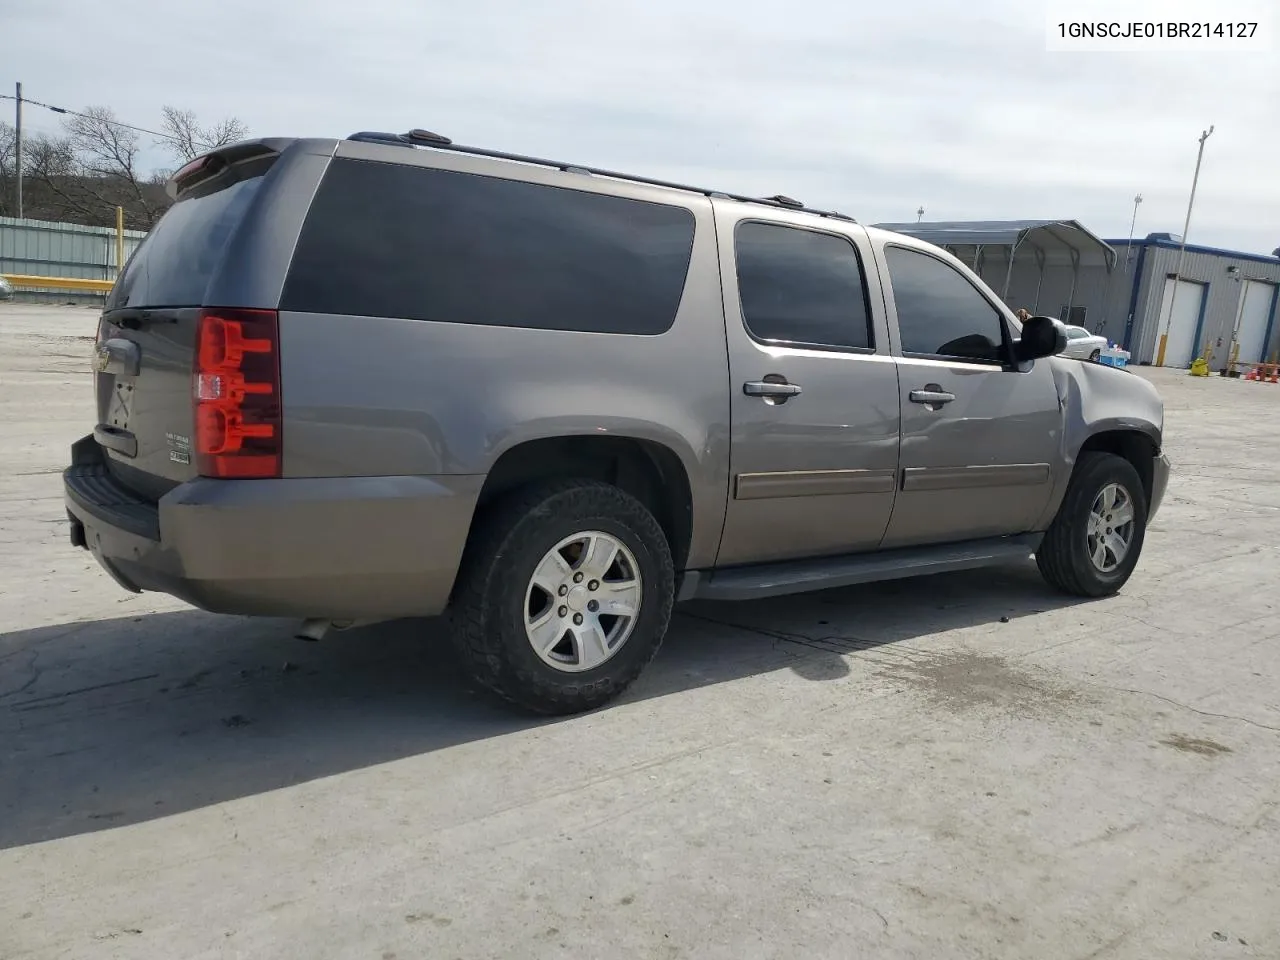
798 286
173 265
387 240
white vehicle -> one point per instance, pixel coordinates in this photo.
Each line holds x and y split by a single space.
1083 345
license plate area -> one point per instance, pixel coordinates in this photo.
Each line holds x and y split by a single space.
120 406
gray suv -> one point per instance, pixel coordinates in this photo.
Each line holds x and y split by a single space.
389 376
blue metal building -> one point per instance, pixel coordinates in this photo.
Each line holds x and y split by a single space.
1227 301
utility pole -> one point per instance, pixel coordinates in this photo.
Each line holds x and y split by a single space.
18 146
1182 252
1128 253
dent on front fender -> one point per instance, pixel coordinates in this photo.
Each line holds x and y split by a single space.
1096 399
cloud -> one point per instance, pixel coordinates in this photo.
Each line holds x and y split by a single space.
870 109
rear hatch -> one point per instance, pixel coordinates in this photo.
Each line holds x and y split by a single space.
147 336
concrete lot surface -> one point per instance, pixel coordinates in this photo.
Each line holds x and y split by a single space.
963 766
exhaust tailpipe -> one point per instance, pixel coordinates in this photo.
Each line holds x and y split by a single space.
313 630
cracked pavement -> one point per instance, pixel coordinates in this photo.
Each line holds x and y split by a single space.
960 766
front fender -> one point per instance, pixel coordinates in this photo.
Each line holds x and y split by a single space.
1097 399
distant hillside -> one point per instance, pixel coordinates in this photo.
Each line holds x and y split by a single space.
91 201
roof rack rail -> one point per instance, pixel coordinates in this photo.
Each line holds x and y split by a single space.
434 141
373 136
411 139
418 135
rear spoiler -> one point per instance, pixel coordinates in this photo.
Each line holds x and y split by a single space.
216 163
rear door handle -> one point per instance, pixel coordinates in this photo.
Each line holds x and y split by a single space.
778 390
931 396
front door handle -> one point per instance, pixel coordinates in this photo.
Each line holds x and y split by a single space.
932 396
773 389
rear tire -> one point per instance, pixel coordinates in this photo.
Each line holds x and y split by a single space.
1094 542
517 588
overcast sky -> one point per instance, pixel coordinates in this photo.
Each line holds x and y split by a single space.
872 108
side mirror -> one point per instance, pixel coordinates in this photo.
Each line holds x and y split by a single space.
1041 337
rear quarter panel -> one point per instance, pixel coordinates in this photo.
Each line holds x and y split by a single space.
396 397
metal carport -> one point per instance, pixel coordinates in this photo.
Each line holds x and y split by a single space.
1048 242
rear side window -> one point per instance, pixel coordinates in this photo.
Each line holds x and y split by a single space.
172 267
387 240
801 287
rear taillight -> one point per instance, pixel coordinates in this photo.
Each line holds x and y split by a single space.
236 388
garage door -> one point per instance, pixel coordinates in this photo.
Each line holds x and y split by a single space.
1256 300
1180 349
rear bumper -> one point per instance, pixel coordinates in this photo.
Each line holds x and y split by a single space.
345 548
1159 483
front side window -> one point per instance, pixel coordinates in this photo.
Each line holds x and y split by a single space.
940 313
800 287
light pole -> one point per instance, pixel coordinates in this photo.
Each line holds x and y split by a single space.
1128 254
1182 252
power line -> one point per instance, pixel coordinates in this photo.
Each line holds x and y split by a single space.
113 123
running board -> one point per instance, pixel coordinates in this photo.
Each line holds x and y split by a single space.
801 576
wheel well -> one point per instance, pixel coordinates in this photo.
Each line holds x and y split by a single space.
650 472
1138 448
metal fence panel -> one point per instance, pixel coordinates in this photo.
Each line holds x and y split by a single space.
46 249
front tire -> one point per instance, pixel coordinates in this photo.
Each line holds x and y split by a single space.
1095 355
1094 542
564 596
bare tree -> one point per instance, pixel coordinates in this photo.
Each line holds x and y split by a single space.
108 152
8 144
187 139
64 188
99 164
8 151
53 187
